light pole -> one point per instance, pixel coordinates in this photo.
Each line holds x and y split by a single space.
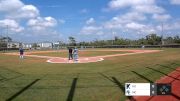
162 33
7 36
113 33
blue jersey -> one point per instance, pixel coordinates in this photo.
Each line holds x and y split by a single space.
21 51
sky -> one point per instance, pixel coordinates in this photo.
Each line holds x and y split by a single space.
87 20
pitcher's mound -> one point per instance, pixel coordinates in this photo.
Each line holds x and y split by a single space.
80 60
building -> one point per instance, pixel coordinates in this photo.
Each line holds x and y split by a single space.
57 45
27 45
13 45
45 44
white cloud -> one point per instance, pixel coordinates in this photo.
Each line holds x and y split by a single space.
51 6
135 26
169 26
27 11
17 9
88 30
151 9
142 6
119 21
133 16
90 21
138 28
91 28
162 17
100 33
112 25
129 25
50 21
117 4
175 2
10 5
15 12
42 23
138 12
12 25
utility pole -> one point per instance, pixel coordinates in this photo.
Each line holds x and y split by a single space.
7 36
7 31
162 33
0 32
112 32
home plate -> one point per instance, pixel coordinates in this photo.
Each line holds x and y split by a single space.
80 60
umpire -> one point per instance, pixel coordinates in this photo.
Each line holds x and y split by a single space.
70 53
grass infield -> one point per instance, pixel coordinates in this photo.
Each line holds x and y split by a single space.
33 79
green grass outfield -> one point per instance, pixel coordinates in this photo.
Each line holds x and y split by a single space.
32 79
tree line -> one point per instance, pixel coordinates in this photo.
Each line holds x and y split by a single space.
4 41
151 39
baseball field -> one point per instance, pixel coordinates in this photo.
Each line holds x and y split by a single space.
99 75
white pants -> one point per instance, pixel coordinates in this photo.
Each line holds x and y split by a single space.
75 57
21 56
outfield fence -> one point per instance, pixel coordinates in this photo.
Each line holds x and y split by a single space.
140 46
105 46
133 46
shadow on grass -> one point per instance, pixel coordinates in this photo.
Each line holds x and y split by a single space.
176 96
72 90
163 73
103 75
168 67
22 90
115 81
11 78
175 64
122 88
141 76
10 70
114 69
